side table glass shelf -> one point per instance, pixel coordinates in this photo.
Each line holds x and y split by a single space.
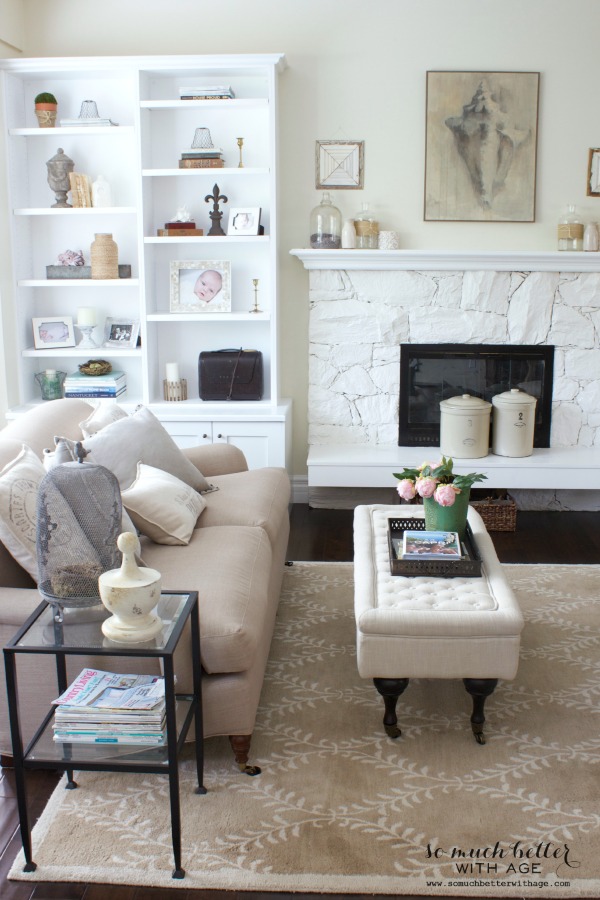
80 634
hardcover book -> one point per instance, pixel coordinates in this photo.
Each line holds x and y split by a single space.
431 545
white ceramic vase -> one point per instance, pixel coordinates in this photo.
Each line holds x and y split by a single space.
130 593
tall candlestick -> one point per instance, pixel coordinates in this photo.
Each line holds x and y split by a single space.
86 315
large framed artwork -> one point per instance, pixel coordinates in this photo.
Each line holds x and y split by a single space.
481 145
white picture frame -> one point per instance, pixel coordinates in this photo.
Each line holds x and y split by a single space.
50 332
244 220
189 294
121 333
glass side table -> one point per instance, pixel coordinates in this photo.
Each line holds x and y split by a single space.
79 634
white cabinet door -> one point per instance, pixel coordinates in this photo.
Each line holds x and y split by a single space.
262 443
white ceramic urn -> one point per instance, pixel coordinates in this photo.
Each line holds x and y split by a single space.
130 593
465 427
513 423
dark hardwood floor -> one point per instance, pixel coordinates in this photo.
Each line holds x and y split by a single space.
323 535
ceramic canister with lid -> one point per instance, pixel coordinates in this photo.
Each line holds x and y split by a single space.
465 427
513 423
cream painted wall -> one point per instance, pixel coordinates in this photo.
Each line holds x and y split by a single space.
357 71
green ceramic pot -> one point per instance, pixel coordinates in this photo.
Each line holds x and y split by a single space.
447 518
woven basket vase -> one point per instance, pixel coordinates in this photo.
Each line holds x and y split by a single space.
104 257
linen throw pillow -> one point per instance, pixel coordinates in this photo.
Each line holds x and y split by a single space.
162 506
103 415
139 437
19 485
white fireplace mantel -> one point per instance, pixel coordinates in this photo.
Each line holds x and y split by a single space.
449 260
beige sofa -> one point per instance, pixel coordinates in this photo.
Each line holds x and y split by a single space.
235 560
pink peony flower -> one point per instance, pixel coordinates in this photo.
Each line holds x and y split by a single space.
445 494
406 489
426 486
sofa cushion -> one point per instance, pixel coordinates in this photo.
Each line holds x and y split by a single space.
19 485
256 497
163 507
140 437
104 414
230 567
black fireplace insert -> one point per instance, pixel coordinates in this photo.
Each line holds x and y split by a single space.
433 372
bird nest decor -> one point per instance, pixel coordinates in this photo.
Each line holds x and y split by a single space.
95 367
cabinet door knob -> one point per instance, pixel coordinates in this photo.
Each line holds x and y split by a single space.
205 435
219 436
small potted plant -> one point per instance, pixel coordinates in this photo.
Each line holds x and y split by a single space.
445 494
45 109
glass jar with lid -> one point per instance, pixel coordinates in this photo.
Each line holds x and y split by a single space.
326 225
570 229
367 229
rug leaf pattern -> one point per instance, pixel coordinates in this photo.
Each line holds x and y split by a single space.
340 807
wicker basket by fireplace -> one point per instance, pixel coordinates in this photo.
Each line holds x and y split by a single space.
499 512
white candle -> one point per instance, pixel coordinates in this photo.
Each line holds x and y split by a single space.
50 373
172 371
86 315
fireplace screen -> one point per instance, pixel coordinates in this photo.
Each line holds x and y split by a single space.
433 372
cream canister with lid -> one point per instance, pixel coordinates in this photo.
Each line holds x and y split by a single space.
465 427
513 423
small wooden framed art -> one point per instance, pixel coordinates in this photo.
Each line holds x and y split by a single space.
51 332
200 286
339 164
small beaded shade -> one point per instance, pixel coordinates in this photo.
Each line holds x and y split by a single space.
202 139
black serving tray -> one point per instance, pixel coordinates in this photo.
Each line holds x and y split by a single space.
469 566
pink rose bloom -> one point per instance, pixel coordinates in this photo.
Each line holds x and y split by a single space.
406 489
445 494
426 486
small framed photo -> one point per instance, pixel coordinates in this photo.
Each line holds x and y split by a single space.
121 333
244 220
339 164
200 285
593 179
53 331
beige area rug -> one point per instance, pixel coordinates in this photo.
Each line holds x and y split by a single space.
341 808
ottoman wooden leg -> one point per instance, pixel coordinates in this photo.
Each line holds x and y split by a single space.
390 689
479 689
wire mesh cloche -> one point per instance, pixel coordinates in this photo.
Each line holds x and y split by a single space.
79 519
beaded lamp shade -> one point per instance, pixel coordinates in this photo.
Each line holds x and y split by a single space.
79 519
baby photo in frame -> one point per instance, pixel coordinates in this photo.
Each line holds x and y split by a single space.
244 220
200 286
53 331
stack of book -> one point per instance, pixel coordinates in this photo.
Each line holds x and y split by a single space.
179 229
113 385
106 708
206 92
202 159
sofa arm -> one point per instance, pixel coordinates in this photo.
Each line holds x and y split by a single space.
217 459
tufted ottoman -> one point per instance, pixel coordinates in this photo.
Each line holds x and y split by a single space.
430 627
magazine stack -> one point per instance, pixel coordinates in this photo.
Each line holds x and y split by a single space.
107 708
111 386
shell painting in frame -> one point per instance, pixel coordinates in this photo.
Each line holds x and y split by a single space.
481 146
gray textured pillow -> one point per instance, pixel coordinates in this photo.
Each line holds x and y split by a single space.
140 437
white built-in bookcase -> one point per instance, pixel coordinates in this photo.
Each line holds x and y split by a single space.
139 158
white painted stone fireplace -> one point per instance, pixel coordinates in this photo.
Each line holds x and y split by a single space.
364 304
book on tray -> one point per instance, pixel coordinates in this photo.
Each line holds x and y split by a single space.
108 708
430 545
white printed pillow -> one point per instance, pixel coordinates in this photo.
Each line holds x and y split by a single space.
104 414
19 486
139 438
162 506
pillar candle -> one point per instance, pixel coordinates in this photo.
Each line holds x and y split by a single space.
50 373
86 315
172 371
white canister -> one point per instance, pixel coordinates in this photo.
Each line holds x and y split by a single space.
513 423
465 427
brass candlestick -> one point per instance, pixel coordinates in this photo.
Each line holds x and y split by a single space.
255 308
240 142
